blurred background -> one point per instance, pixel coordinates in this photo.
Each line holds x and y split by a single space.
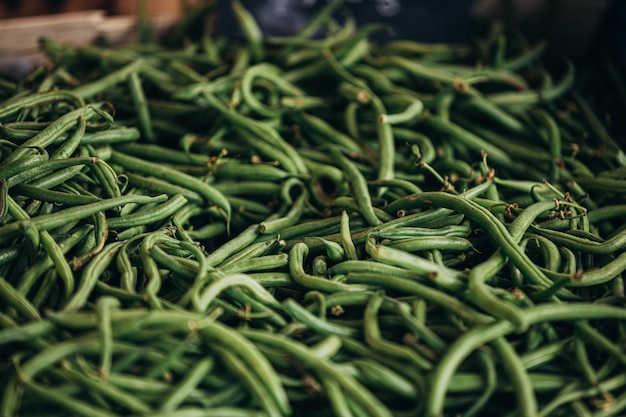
576 28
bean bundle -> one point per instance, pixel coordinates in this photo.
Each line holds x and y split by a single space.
309 226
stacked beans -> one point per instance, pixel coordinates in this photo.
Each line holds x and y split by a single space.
309 226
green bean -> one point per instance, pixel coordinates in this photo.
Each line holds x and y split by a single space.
490 384
336 397
53 196
334 250
251 31
321 326
110 80
273 279
550 252
327 133
386 378
412 111
297 255
12 253
253 383
530 97
495 114
68 402
10 109
141 106
103 311
431 242
599 130
163 211
351 387
497 230
60 177
526 400
48 166
261 172
400 233
351 204
386 142
29 332
573 394
161 153
48 243
4 198
444 277
238 344
189 382
106 178
260 263
235 244
23 164
71 144
412 287
206 411
122 398
472 141
56 128
273 226
607 185
359 185
207 232
112 135
597 276
35 270
269 73
456 353
209 193
420 70
51 221
90 276
17 300
525 58
479 335
235 279
372 334
349 266
252 251
263 133
161 186
98 238
584 244
582 360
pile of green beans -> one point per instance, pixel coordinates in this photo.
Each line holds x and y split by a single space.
308 226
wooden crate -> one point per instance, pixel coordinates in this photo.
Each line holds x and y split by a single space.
79 22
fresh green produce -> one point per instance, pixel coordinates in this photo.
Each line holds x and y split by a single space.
309 227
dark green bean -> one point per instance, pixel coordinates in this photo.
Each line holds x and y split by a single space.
61 217
370 403
56 128
297 256
12 297
446 278
246 351
208 192
324 327
163 211
49 166
13 107
90 276
372 334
